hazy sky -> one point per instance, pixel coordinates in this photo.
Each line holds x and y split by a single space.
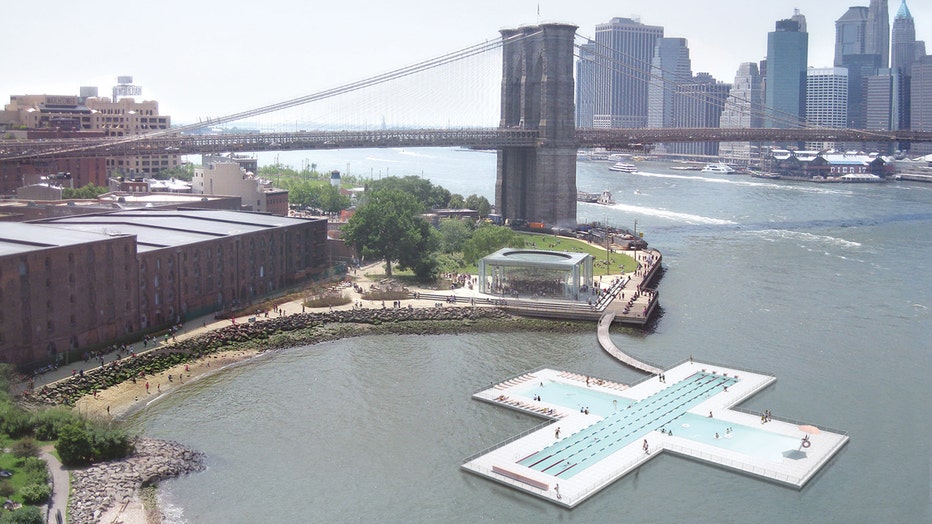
212 58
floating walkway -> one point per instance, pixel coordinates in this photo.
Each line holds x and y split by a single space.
605 340
602 430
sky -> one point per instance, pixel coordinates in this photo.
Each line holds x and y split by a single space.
209 58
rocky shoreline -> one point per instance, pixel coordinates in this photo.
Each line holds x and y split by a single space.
290 331
100 487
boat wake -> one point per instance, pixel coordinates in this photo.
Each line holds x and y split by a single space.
685 218
773 234
375 159
740 181
408 152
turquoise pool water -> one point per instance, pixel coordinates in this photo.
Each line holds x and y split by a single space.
577 397
577 451
749 440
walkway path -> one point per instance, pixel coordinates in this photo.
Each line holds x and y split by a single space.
61 485
605 340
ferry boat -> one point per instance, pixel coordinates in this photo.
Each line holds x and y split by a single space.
623 167
720 168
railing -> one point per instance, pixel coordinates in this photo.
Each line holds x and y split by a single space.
710 364
483 388
507 441
602 481
182 144
787 420
480 138
731 463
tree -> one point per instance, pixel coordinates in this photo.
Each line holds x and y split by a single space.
331 200
453 234
87 192
183 172
480 204
429 195
489 239
457 201
387 225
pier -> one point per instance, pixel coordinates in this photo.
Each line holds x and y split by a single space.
605 340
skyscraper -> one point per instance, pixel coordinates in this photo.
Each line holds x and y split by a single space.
699 103
861 46
850 33
859 68
743 110
904 41
787 61
625 48
670 67
800 19
826 100
585 85
877 37
921 101
881 107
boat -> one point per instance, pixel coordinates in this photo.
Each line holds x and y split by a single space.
618 157
720 168
769 176
605 198
585 196
624 168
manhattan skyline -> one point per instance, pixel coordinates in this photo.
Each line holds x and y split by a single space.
206 59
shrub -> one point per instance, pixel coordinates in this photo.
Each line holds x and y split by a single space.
6 488
83 443
48 422
35 470
25 447
74 445
13 421
35 493
24 515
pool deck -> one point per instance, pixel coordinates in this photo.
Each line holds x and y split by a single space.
500 463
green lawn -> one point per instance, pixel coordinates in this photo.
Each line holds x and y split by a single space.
615 261
601 265
18 480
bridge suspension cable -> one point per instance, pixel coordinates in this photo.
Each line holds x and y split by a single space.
74 146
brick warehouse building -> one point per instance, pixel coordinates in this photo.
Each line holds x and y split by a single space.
83 281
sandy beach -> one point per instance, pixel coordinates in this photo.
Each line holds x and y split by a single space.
123 399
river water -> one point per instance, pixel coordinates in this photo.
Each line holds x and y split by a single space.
826 286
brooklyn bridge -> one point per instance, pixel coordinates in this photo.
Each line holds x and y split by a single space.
536 137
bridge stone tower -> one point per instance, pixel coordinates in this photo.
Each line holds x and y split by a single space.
538 184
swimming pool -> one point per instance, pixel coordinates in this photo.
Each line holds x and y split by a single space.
574 453
577 397
749 440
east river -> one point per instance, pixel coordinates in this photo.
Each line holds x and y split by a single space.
827 286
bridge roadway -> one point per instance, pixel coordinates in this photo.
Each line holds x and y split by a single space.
476 138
